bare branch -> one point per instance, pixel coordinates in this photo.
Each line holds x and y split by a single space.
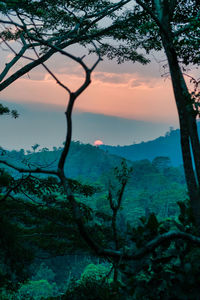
12 63
150 246
11 23
61 43
68 113
25 69
121 255
106 12
53 75
28 170
99 57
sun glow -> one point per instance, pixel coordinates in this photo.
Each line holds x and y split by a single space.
98 143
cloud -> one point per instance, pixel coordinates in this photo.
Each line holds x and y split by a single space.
128 90
123 96
111 78
135 83
145 82
129 80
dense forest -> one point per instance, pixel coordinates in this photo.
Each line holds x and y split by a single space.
36 216
81 222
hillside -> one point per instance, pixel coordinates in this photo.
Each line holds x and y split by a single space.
153 183
84 160
168 145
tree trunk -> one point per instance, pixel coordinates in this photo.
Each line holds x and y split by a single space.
195 144
188 129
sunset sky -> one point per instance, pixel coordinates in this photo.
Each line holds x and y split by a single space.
124 104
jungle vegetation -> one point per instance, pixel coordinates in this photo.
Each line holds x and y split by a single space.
45 213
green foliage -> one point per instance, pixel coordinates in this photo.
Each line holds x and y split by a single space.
45 224
94 284
15 251
5 179
172 270
146 231
4 110
35 290
137 31
186 217
94 273
122 53
40 221
161 163
44 272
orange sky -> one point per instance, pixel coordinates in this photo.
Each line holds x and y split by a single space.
129 95
124 104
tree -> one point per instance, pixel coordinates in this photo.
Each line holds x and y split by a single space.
4 110
41 32
44 40
31 208
51 26
178 25
35 28
161 163
35 146
173 26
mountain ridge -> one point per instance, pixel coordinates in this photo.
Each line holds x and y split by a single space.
168 145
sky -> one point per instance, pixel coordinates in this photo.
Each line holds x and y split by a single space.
124 104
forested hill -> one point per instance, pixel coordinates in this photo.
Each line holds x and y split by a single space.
84 160
168 145
151 184
88 163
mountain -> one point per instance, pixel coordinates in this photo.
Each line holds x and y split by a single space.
168 145
91 164
84 160
152 186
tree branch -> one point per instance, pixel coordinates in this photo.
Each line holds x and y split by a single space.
154 17
61 44
12 62
28 170
53 75
26 69
72 99
150 246
107 11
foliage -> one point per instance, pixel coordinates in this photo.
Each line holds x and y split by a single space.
44 272
35 290
38 222
49 27
45 218
94 272
171 271
4 110
93 284
139 31
52 220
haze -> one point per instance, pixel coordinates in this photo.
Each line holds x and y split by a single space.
124 104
